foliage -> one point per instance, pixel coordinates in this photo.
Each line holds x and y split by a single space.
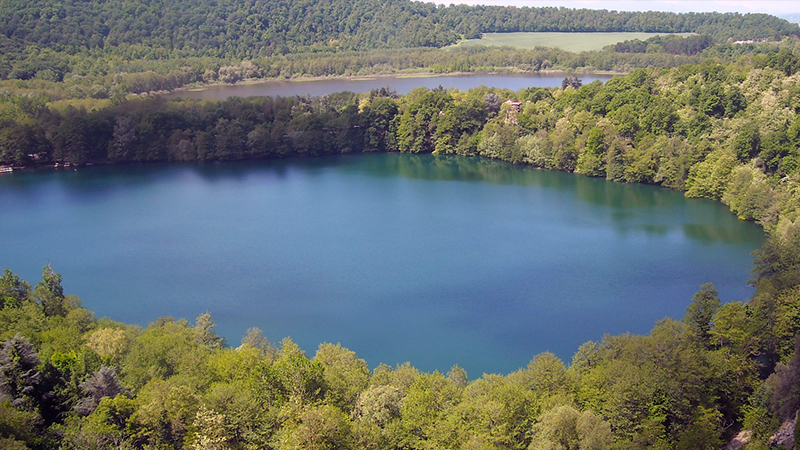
99 51
726 132
19 374
103 383
39 35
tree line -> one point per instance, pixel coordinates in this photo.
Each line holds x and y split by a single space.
50 39
90 77
725 132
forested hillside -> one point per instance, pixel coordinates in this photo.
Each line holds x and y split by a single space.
700 114
46 36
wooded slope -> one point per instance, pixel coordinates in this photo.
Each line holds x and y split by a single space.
252 28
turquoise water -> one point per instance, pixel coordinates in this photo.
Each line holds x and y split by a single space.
433 260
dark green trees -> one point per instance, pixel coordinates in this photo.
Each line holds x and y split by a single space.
417 125
20 379
700 313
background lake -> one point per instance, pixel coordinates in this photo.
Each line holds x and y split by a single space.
402 85
433 260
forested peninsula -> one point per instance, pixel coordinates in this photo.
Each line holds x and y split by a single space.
714 115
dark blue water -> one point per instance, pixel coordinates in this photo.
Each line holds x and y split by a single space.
433 260
402 85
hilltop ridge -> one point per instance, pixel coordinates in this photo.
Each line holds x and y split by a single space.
242 29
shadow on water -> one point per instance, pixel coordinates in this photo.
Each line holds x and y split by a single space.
622 205
458 168
104 179
705 234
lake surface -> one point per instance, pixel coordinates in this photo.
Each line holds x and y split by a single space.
402 85
433 260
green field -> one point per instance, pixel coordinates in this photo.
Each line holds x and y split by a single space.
573 42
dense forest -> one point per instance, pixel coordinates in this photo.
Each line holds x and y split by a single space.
261 28
703 114
58 40
729 132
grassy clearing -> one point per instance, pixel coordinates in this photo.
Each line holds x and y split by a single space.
89 104
572 42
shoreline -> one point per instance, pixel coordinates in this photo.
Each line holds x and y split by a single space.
304 79
75 167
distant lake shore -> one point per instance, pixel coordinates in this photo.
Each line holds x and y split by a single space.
402 83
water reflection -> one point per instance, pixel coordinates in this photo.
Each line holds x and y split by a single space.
716 233
625 206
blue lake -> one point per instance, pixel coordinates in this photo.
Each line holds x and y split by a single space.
433 260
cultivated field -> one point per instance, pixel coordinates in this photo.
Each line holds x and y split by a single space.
573 42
